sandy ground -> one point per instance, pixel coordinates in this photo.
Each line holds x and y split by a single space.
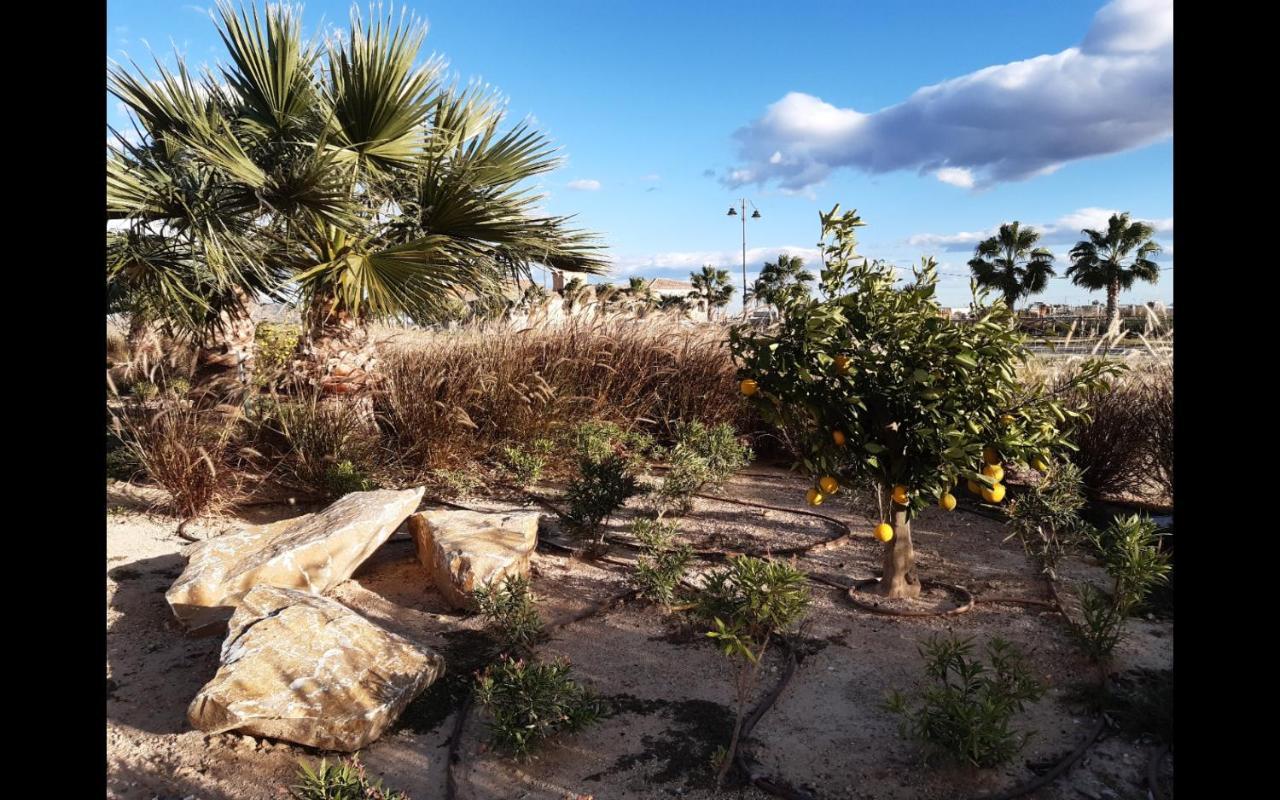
669 686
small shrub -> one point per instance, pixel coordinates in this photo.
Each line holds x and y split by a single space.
967 715
455 482
275 345
748 603
145 390
508 609
702 455
179 387
600 489
346 781
1160 428
310 441
662 563
122 461
344 477
184 449
1047 518
525 463
533 700
1130 550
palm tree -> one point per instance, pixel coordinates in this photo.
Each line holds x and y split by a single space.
574 291
673 303
1010 263
643 299
1113 260
711 287
606 297
533 298
782 282
374 190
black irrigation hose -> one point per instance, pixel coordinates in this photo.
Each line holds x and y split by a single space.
1054 773
749 766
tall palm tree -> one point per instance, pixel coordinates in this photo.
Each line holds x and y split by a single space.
1010 263
782 282
640 291
575 290
376 192
1114 259
673 303
712 287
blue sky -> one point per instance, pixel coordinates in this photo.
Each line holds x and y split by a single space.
1051 113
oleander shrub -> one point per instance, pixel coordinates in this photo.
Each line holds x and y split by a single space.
966 713
509 610
530 701
663 561
702 456
1046 518
525 462
1131 551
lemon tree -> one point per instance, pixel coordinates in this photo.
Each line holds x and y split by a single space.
877 383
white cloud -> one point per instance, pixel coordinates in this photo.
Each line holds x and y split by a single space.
1064 230
585 185
1008 122
956 176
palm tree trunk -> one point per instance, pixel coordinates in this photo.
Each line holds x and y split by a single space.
899 578
224 364
335 353
1113 308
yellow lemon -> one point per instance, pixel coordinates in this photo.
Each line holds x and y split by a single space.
994 471
815 497
990 455
995 494
842 364
749 387
1006 419
1039 465
900 495
975 487
884 532
838 436
829 484
947 502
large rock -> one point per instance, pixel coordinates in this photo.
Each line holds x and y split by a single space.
465 550
313 552
307 669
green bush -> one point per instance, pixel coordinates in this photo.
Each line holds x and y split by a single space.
340 782
1047 517
508 609
1130 551
702 455
344 477
749 603
456 482
145 390
662 563
526 463
600 489
530 701
967 714
275 344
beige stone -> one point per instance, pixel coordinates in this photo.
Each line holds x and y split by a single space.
307 669
313 553
465 550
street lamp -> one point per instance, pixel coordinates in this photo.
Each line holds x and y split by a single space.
755 214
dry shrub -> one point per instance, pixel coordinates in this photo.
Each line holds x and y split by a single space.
1126 446
186 450
316 445
450 397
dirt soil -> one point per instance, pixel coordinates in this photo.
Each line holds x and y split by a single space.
668 685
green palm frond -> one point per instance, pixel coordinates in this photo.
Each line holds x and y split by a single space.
379 100
272 69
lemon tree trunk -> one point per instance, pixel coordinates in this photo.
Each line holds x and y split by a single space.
899 578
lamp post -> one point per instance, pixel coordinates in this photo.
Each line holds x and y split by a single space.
755 214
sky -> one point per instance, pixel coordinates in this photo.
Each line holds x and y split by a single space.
936 120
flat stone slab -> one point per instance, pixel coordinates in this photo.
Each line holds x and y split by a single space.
313 553
307 669
466 550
